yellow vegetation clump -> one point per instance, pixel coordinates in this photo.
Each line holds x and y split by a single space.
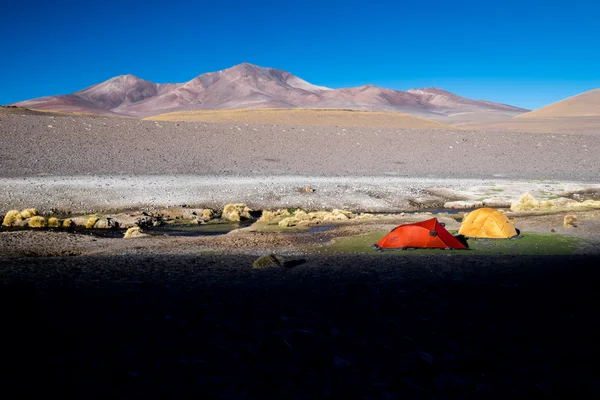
11 217
268 216
208 213
301 217
135 232
28 213
570 220
236 212
37 222
526 203
91 222
53 222
68 223
587 204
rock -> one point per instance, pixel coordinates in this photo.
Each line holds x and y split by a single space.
103 223
463 204
570 220
204 216
148 221
236 212
308 189
497 202
268 261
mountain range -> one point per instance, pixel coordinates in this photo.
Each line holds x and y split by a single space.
250 86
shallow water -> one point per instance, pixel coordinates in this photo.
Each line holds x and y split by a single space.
164 230
195 230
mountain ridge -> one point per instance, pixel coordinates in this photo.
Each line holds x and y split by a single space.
249 86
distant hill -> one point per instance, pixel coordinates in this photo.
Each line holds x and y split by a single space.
577 114
303 116
586 104
249 86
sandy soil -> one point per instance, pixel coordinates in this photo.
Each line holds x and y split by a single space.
36 145
589 125
305 117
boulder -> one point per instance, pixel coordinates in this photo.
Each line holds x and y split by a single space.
268 261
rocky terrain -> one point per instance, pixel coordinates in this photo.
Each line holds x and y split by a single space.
186 309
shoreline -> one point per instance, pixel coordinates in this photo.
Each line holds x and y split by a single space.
83 194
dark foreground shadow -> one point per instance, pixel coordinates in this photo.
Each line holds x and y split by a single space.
348 327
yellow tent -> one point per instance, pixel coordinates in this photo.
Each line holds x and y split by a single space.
487 223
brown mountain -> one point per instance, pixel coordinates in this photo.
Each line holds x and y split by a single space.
249 86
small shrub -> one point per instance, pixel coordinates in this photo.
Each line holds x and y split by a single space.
37 222
53 222
91 222
11 217
28 213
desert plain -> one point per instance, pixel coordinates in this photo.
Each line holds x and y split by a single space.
186 310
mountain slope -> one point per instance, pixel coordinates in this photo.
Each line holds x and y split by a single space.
249 86
586 104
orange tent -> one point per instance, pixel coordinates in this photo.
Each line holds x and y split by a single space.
429 234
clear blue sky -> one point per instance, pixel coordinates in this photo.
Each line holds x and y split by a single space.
525 53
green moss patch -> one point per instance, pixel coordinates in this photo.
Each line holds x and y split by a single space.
529 244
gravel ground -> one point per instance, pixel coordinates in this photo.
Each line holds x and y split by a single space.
208 326
34 145
83 164
94 317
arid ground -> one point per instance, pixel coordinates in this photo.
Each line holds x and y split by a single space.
90 314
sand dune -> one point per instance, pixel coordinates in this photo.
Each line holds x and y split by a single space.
582 125
307 117
577 114
586 104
